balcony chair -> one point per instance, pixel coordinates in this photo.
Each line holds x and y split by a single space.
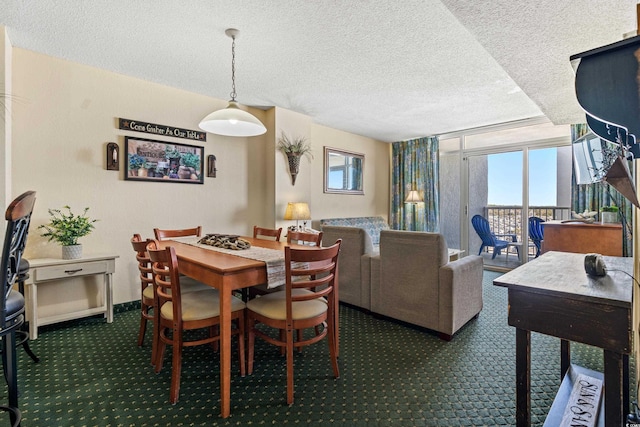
18 216
171 234
179 312
259 233
536 233
299 307
490 239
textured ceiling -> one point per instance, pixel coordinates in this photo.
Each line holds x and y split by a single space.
389 70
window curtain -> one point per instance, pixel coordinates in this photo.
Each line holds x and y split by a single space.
591 197
415 167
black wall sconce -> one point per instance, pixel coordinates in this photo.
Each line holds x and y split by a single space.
113 157
211 166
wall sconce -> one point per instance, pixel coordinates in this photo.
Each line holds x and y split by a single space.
113 157
211 166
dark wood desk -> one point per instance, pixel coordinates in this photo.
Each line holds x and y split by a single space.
225 273
605 239
553 295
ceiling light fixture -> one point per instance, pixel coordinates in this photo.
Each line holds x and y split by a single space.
232 121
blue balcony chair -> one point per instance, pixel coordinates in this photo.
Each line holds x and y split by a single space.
536 233
489 238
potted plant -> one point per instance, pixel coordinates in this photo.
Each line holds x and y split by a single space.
136 161
609 214
294 148
66 228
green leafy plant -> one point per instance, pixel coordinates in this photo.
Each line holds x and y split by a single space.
190 160
609 209
296 146
135 161
66 227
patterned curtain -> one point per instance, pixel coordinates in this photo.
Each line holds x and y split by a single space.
415 166
591 197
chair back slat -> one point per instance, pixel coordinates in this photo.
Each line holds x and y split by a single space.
169 234
144 263
481 225
536 233
166 277
311 268
301 237
260 232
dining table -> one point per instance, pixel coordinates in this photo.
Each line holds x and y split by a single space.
228 273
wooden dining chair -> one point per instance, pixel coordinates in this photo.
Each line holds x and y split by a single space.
304 238
299 307
170 234
179 312
148 302
259 233
146 290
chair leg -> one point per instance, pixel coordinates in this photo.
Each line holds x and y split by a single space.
159 354
31 354
144 310
176 366
155 342
250 343
289 338
333 354
9 362
241 344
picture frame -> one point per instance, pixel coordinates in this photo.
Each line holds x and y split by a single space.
162 161
343 172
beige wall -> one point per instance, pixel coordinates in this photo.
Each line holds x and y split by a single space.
309 186
65 114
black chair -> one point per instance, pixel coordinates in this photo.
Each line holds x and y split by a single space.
18 216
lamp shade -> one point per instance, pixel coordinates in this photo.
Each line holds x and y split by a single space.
414 197
232 121
297 211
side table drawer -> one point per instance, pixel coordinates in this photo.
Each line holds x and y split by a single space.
69 270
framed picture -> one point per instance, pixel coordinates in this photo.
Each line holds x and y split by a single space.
343 171
149 160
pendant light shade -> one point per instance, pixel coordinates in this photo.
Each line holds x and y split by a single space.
232 121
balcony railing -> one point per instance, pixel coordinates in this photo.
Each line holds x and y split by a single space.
508 219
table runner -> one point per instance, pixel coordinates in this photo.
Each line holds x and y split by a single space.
273 258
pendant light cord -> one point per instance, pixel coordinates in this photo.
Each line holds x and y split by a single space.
233 69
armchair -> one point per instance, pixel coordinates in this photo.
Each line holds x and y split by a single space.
413 281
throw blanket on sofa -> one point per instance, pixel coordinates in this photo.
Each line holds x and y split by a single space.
371 224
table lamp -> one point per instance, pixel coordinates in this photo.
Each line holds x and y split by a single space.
297 211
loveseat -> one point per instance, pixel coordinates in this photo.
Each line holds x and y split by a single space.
412 280
360 237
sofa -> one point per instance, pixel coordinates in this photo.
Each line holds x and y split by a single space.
360 237
412 280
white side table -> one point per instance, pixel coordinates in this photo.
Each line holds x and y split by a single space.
46 270
455 254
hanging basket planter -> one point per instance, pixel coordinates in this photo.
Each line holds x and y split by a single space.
294 148
294 167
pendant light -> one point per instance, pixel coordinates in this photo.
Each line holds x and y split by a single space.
232 121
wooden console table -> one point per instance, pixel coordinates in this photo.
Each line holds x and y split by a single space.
46 270
553 295
605 239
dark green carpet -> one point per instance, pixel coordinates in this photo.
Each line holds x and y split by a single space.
93 374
